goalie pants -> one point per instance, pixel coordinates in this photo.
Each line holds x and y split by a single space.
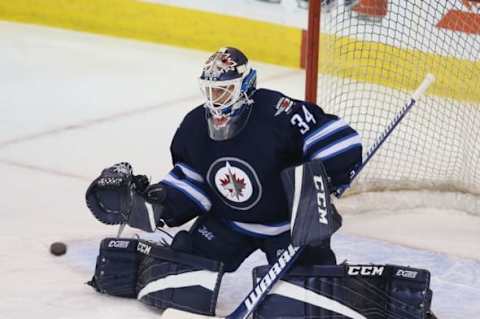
214 239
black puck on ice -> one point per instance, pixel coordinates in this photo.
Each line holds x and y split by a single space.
58 248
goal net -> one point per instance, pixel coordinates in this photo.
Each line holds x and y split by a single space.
373 55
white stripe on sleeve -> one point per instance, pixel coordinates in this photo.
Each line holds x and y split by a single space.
323 132
195 194
337 147
190 173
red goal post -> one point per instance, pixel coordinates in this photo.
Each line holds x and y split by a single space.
311 50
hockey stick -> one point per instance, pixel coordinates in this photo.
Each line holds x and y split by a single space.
429 79
288 257
120 229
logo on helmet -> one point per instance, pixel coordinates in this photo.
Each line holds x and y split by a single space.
218 64
235 182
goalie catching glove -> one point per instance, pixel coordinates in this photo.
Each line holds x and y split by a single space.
118 197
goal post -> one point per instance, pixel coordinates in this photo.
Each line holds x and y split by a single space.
372 54
311 51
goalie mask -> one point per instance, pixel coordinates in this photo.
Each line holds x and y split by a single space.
227 82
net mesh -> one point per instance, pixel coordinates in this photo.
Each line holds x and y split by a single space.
369 67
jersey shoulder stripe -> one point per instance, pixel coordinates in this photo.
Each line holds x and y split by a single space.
337 147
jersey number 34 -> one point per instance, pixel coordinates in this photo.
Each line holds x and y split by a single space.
302 122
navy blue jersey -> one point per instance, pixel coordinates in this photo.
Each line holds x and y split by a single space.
238 180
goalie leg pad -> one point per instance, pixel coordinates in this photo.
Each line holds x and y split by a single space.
172 279
116 268
348 291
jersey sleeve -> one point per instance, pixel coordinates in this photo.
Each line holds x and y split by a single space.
187 194
326 137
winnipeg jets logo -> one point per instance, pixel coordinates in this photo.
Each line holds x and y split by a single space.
234 186
235 182
218 64
283 105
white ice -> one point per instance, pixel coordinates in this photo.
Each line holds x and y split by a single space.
72 104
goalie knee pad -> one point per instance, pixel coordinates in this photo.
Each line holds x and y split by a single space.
348 291
116 268
172 279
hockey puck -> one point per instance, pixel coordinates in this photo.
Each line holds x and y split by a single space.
58 248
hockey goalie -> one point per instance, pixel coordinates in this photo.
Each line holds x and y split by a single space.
255 169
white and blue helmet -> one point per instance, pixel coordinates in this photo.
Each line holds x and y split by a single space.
227 83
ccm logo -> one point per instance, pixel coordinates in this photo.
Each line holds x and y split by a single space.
118 243
321 199
407 273
144 248
365 270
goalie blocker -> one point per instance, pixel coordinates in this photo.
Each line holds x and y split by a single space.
313 218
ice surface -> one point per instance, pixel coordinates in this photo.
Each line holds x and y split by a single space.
73 103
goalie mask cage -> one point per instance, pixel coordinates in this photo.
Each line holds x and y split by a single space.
372 56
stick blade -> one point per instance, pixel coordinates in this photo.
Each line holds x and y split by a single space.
180 314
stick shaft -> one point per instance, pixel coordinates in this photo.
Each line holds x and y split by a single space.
429 79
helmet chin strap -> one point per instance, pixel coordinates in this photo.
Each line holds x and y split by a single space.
248 100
